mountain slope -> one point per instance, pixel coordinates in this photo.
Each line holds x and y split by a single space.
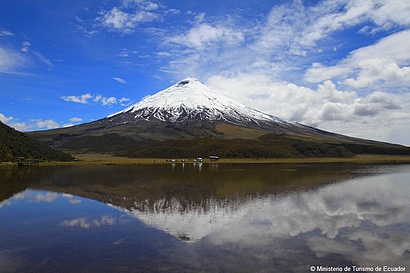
190 110
14 144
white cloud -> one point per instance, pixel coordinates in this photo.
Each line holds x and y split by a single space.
104 100
319 73
141 4
25 46
377 115
6 33
384 62
124 101
289 32
83 99
109 101
21 126
34 124
388 13
74 119
271 64
337 222
125 22
119 80
204 35
86 98
47 124
11 60
328 20
379 70
5 119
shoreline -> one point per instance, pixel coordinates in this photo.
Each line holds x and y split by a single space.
107 159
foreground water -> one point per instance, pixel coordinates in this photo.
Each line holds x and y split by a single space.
205 218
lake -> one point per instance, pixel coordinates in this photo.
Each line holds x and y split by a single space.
205 218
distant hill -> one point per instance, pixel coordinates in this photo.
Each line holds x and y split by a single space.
14 144
190 119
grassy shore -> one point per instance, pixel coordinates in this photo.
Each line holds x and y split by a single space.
109 159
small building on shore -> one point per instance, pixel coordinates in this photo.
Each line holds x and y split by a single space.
213 158
22 161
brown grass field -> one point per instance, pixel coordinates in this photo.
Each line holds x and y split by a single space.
110 159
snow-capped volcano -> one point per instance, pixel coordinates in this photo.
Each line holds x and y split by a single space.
190 119
190 99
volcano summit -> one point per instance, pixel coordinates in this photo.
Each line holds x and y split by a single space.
190 100
190 119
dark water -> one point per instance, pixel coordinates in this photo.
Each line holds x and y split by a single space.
204 218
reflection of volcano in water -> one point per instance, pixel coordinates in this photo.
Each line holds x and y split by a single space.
332 216
192 221
257 205
255 217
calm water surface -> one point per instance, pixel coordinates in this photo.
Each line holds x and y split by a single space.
204 218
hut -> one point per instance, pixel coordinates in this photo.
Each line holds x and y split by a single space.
213 158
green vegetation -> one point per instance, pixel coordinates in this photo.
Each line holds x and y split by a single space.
267 146
14 144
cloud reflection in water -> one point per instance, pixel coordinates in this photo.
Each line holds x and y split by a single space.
365 220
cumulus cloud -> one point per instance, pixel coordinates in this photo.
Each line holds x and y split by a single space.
47 124
276 64
73 121
326 106
87 98
296 61
21 126
204 35
288 32
83 99
34 124
378 70
125 22
383 62
104 100
332 223
5 119
129 15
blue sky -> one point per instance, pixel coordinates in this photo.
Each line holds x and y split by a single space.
339 65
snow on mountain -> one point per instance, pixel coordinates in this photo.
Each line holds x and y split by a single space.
190 99
192 223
